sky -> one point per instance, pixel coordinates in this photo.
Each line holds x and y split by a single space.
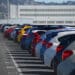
59 1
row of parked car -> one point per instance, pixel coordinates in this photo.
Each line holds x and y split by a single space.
53 44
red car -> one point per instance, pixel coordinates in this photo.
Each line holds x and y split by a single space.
8 32
37 38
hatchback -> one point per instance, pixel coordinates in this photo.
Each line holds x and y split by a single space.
50 53
67 66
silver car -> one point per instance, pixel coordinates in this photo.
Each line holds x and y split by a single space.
67 67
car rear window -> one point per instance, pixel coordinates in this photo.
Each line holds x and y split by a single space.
67 40
50 36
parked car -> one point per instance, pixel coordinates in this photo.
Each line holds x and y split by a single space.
36 39
22 31
68 40
8 32
46 44
51 52
67 66
14 34
5 27
39 45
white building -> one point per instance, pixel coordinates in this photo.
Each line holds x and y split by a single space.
44 14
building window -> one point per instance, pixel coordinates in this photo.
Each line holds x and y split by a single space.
53 15
69 22
39 21
59 21
47 10
50 21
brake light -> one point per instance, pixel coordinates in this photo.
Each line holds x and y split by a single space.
66 54
36 35
49 45
38 40
44 42
59 48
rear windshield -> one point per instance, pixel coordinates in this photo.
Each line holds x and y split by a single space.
50 36
67 40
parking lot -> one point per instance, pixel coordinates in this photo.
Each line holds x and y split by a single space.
16 61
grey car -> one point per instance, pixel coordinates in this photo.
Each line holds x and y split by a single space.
67 66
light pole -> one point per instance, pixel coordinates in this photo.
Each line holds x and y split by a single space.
17 9
8 8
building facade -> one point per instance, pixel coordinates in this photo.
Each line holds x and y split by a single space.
44 14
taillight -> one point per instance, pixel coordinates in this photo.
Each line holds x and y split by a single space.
44 42
38 40
66 54
36 35
59 48
49 45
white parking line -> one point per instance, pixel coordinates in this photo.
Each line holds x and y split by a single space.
10 67
7 62
16 65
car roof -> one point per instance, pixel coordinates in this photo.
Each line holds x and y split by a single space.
34 31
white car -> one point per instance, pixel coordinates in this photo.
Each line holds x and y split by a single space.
55 48
67 66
